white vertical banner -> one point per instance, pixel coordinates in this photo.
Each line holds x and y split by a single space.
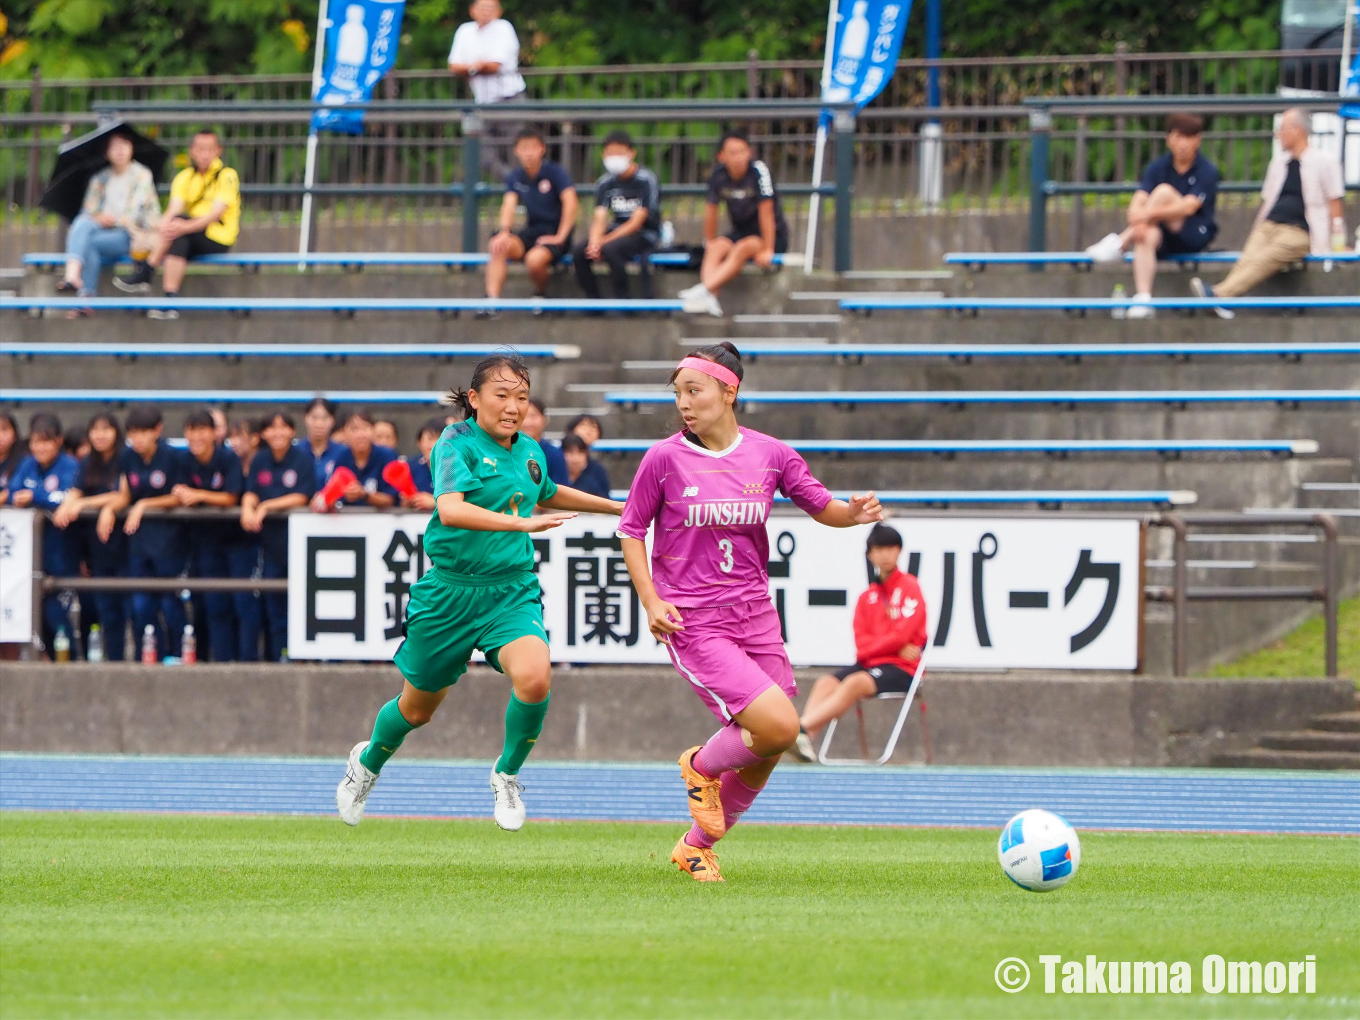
16 575
1059 593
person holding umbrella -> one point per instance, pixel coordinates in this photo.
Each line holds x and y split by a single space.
117 211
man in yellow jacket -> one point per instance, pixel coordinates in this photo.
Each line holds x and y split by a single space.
203 218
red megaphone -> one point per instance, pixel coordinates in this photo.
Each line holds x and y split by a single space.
398 475
341 479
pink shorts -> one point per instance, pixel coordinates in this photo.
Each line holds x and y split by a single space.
732 654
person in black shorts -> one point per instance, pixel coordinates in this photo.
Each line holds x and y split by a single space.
626 224
890 634
550 204
759 230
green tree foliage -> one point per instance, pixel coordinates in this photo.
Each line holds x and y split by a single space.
132 38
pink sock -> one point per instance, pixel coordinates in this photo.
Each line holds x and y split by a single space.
736 798
724 752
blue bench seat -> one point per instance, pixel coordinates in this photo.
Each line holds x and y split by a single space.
946 497
979 260
557 352
1065 398
967 352
346 306
355 260
871 302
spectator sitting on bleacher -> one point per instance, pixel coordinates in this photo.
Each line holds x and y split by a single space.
1172 212
203 218
584 472
534 422
41 481
759 230
366 459
118 218
626 224
890 634
1300 213
548 196
319 419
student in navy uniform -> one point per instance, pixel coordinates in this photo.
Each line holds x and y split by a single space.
367 460
103 542
550 204
759 230
320 420
281 476
41 481
420 467
535 421
211 477
156 545
626 224
583 471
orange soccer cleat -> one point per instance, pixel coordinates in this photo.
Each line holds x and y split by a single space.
705 802
700 863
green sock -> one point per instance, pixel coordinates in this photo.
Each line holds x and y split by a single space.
523 724
389 730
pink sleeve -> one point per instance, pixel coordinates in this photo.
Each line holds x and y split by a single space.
644 496
796 482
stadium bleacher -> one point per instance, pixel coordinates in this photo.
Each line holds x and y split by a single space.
977 261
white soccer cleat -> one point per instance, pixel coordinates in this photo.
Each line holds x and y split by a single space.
352 793
509 807
1140 307
1108 249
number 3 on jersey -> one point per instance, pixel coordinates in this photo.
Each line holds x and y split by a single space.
725 544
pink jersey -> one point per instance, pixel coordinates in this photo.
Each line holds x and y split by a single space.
710 546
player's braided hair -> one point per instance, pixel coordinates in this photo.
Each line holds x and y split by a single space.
724 354
508 359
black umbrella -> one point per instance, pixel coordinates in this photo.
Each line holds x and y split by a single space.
81 158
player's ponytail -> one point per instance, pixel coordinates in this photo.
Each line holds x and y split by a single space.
508 359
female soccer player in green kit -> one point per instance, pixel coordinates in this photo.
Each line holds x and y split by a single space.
480 591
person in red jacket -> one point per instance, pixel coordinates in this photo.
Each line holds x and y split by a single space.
890 633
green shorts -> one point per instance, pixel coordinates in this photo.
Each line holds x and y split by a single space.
448 615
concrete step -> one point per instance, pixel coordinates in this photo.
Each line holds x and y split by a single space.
1259 758
1312 740
1337 722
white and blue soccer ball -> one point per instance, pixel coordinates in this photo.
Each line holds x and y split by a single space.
1038 850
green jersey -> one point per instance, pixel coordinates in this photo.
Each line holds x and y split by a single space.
467 460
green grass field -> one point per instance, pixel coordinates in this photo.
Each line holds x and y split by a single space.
1301 653
117 915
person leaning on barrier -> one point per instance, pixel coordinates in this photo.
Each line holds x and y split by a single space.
1300 213
119 217
203 218
890 634
1172 212
550 204
41 482
759 230
626 224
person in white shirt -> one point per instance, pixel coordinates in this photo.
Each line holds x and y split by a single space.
485 51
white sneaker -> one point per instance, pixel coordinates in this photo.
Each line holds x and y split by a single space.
712 307
509 807
1140 309
695 300
1108 249
802 748
352 793
1203 290
690 292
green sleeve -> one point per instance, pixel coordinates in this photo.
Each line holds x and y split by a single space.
450 469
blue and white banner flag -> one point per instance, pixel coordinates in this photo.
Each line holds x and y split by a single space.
1350 80
865 53
361 46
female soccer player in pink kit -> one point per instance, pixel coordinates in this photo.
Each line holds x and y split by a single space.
707 491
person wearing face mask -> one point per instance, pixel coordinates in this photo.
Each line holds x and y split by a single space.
626 224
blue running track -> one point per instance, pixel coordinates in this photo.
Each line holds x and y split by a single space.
1188 800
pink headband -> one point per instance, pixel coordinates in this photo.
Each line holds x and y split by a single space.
723 375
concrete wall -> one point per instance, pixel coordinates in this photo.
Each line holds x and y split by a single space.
633 714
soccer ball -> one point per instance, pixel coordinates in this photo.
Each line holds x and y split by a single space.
1038 851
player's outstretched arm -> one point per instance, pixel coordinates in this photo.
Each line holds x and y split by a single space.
567 498
864 509
456 512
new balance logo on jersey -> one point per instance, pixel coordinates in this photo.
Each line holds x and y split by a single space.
723 513
691 490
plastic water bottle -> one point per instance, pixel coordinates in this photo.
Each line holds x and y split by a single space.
61 646
667 233
149 656
1118 295
95 651
188 654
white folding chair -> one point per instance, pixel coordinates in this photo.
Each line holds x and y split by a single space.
824 753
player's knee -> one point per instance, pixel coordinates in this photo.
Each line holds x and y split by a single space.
416 715
534 687
782 730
